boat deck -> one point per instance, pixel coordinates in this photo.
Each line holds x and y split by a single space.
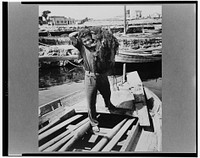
112 136
128 128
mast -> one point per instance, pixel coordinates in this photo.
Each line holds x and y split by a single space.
124 64
125 19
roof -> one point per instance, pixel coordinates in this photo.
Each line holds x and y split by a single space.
57 17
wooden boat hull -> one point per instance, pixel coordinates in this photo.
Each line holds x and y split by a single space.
129 137
69 130
54 33
137 58
57 58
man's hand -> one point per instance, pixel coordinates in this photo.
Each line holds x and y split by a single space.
78 61
73 38
73 34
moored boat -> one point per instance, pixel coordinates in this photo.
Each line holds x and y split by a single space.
134 126
59 54
139 48
139 43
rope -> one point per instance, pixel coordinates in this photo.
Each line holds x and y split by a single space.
67 60
44 44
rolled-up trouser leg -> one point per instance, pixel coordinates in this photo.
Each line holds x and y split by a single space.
91 94
103 86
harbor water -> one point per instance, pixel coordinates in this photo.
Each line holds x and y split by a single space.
150 74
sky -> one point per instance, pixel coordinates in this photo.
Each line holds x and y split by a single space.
97 11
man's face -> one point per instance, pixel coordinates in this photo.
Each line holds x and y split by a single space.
87 41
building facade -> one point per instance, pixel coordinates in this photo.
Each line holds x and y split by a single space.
61 20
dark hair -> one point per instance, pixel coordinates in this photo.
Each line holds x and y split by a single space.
83 33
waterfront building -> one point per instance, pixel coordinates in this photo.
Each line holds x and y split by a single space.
61 20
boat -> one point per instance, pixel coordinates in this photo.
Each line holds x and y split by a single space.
139 48
134 126
137 54
55 40
139 43
54 31
57 55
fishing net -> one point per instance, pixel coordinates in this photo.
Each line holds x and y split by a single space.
106 47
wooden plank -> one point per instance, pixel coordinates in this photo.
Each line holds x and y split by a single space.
50 115
108 136
130 139
124 73
66 115
78 134
121 143
57 145
143 142
104 130
59 137
49 105
57 127
117 137
136 88
93 138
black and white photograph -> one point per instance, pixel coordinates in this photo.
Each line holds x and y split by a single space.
100 78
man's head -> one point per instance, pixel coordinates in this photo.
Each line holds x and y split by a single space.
85 36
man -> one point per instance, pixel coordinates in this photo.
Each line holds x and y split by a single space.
93 52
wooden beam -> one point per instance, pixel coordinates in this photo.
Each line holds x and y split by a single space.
103 131
64 134
136 88
130 139
117 137
124 73
121 143
57 127
58 144
66 115
50 115
93 138
108 136
78 134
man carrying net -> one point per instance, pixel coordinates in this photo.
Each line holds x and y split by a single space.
97 48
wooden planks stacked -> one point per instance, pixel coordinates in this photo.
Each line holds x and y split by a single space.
55 118
117 137
129 142
51 132
107 137
61 139
77 135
